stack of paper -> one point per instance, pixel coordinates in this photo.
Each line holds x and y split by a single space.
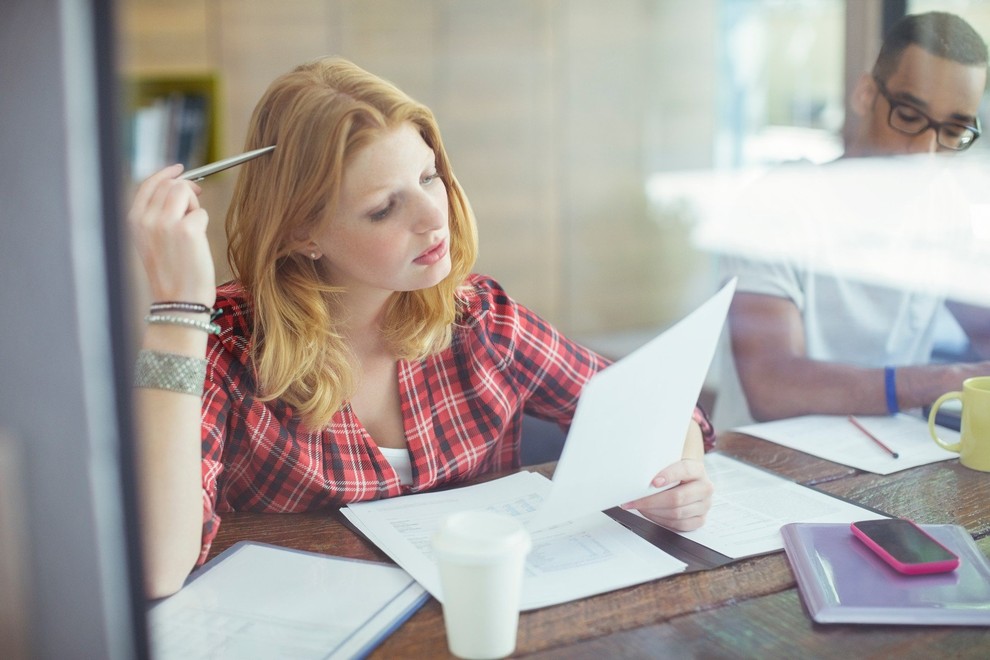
588 555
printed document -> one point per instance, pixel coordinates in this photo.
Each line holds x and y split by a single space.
750 505
835 438
594 553
588 555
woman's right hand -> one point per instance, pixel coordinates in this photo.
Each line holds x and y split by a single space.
169 228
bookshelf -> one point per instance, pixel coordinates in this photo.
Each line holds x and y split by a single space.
172 118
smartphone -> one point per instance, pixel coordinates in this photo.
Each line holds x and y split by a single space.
905 546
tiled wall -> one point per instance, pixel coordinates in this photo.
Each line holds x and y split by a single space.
554 113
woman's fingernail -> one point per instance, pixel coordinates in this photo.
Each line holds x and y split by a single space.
659 481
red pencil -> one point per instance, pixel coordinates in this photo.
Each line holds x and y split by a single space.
872 437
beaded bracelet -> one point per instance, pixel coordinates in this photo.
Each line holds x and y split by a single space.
211 328
175 306
168 371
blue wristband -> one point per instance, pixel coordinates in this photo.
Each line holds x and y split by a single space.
890 386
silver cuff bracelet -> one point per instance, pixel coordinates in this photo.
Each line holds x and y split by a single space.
168 371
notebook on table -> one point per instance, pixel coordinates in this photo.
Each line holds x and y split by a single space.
843 581
263 601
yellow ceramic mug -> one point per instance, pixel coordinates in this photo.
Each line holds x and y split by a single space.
974 445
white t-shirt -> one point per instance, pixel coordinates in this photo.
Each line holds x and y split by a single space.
844 321
837 240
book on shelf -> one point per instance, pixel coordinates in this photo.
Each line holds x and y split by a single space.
172 128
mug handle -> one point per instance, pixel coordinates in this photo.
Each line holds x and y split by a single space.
931 421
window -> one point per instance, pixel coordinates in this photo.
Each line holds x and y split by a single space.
781 68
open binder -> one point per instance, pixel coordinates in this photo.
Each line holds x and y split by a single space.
843 581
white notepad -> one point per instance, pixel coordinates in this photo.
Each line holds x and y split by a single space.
262 601
836 439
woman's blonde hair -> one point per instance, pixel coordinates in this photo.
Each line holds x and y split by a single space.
318 116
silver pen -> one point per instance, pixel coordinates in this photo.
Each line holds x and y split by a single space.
200 173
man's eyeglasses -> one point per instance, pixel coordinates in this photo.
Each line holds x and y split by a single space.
905 118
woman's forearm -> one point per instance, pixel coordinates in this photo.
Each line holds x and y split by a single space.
169 464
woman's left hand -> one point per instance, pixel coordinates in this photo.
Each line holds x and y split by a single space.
682 508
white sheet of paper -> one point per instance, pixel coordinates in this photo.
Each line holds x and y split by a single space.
834 438
750 506
586 556
632 417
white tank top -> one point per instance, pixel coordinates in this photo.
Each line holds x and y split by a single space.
400 461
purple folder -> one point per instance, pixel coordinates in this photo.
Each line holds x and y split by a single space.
843 581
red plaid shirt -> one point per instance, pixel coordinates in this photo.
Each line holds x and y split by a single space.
462 409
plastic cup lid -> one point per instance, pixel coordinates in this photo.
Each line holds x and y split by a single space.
480 536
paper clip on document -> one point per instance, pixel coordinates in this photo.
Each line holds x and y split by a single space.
200 173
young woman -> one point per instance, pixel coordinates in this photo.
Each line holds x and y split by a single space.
354 356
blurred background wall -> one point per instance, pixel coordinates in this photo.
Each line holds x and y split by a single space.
555 113
584 132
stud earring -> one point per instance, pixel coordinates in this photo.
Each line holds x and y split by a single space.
312 255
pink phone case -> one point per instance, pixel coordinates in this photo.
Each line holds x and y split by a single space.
921 568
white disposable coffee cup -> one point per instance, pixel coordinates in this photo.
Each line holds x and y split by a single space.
481 557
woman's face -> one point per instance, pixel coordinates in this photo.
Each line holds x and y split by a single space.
390 231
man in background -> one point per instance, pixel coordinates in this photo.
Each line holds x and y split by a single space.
805 341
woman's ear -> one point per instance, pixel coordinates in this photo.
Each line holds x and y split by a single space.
311 250
864 95
306 247
304 244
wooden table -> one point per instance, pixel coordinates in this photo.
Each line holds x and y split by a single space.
750 608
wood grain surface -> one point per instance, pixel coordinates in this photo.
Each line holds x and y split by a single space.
750 608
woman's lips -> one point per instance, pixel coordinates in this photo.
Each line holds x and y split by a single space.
433 255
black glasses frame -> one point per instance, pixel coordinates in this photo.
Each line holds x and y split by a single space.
894 104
